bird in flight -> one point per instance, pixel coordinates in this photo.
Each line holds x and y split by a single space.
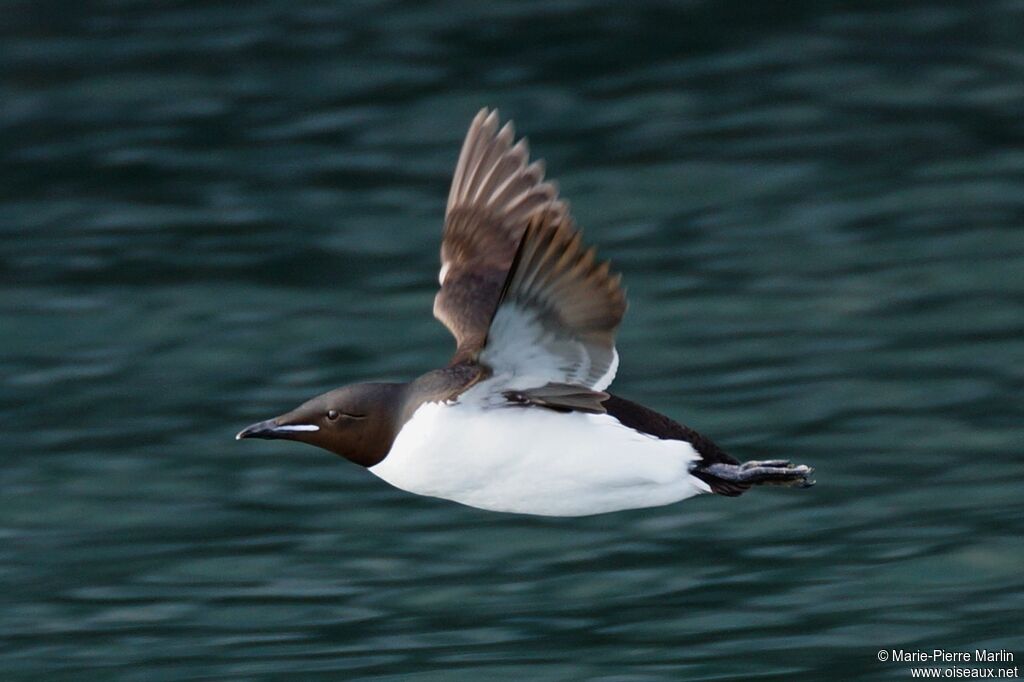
520 420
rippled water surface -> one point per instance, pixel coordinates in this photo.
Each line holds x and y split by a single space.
211 211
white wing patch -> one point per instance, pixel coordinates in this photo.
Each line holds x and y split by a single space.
527 354
608 377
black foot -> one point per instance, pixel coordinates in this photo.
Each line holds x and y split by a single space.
768 472
766 463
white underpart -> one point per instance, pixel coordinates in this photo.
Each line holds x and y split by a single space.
442 274
528 355
297 427
535 461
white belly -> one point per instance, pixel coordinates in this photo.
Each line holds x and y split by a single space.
536 461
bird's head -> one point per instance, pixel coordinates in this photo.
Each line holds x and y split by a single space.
358 422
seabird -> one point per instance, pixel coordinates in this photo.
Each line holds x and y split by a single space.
520 420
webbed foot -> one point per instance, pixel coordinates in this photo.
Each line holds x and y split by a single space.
768 472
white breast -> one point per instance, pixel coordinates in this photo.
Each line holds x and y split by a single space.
536 461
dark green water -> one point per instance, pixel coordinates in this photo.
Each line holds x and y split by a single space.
211 211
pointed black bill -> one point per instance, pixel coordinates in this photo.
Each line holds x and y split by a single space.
270 429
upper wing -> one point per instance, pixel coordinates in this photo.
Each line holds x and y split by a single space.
494 193
558 313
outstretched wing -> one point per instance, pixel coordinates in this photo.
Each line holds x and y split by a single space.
558 313
494 193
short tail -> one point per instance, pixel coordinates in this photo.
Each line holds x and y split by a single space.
735 479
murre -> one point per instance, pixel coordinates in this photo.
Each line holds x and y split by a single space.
520 419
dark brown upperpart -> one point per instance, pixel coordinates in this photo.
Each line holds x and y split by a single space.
438 385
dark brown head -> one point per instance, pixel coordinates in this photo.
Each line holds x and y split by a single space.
358 422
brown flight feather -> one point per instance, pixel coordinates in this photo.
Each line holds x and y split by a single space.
577 300
494 193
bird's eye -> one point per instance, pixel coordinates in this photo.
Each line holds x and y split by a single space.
332 414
